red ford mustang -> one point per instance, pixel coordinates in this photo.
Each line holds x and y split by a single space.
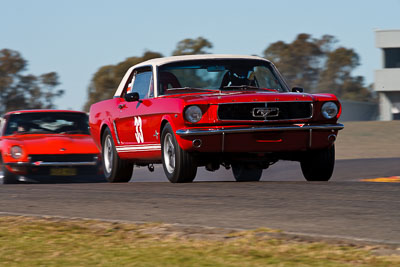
213 110
47 145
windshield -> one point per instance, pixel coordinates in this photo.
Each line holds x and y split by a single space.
47 123
218 75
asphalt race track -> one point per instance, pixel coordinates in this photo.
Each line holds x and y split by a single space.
345 207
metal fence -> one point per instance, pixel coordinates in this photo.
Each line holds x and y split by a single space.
359 111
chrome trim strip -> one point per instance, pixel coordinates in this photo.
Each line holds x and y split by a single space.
116 132
252 102
211 131
83 163
39 164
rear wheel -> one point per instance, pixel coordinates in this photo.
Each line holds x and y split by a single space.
243 173
317 165
115 169
179 165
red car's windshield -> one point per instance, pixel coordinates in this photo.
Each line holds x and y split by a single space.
47 123
219 75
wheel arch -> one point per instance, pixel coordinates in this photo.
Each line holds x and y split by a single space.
102 131
176 122
164 120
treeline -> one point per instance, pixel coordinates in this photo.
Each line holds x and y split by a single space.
319 65
24 91
316 64
106 80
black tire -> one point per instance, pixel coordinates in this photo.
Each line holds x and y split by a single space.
179 165
115 169
5 176
317 165
242 173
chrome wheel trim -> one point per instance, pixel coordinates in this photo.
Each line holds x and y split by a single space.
108 154
169 153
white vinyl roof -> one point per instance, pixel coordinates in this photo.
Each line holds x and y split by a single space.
165 60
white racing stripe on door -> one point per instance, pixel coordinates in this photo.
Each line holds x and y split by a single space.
138 148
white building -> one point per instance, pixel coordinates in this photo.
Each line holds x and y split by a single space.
387 79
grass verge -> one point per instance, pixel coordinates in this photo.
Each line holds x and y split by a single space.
27 241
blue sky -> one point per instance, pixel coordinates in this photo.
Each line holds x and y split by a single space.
76 37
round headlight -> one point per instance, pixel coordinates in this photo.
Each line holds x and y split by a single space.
329 110
16 152
193 114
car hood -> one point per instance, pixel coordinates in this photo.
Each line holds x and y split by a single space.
54 144
252 96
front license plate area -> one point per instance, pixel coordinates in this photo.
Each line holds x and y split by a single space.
63 171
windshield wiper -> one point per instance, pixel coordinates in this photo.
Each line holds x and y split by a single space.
34 132
75 132
247 87
242 87
22 133
182 89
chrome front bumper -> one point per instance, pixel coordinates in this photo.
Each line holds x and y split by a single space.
275 128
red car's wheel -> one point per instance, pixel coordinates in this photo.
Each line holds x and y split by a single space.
317 165
179 165
5 176
243 173
115 169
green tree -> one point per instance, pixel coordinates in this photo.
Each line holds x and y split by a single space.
106 80
192 46
19 91
299 61
336 76
319 66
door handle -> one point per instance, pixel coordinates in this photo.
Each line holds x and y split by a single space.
121 106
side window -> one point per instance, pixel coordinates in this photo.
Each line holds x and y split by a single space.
142 82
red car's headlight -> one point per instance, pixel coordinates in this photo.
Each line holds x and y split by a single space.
193 114
16 152
329 110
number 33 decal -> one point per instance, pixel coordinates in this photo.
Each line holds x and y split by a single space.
139 132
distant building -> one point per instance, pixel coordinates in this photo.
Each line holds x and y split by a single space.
387 79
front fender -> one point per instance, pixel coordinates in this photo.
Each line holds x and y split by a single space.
177 122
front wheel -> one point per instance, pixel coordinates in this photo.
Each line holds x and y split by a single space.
179 165
5 176
243 173
115 169
317 165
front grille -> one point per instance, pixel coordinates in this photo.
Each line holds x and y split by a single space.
265 111
63 158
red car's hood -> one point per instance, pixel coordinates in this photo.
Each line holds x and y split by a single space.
55 144
252 96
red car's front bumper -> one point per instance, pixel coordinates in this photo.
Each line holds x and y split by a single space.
276 138
42 170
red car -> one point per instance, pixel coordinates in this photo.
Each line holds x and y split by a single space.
47 145
213 110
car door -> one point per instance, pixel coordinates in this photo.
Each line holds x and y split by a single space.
136 125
